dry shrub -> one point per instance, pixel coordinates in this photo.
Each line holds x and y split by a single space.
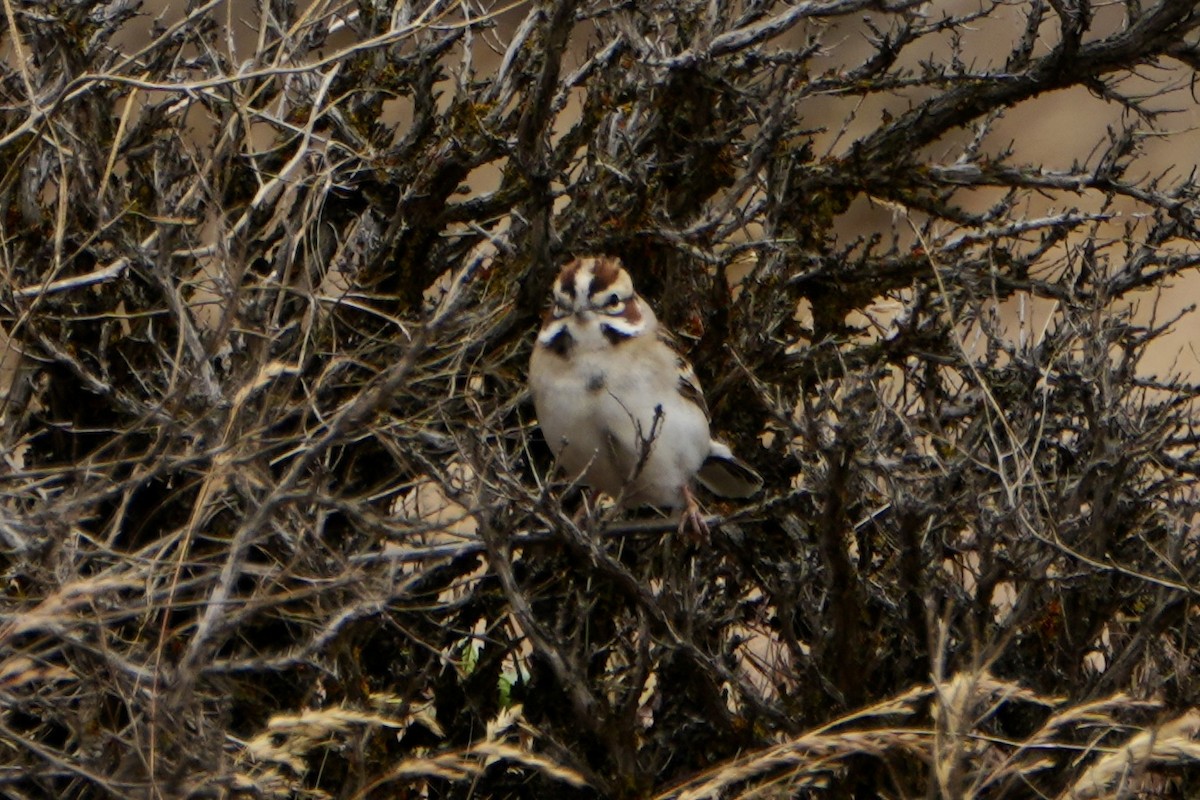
275 520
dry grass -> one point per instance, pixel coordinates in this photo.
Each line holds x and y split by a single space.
951 728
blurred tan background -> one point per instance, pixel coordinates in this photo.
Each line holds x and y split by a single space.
1053 131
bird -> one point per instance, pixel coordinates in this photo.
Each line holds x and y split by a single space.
620 408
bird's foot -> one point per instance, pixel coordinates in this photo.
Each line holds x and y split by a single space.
691 520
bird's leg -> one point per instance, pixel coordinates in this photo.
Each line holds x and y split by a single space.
692 517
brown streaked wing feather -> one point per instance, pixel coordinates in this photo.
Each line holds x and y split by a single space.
689 386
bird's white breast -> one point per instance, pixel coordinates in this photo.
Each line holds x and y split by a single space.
597 406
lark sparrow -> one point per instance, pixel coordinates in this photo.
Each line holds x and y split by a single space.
622 411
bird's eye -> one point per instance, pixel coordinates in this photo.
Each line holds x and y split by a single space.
613 304
561 307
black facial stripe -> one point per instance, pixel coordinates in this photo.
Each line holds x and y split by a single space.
614 335
561 344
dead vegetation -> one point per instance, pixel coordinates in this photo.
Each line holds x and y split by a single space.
275 518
